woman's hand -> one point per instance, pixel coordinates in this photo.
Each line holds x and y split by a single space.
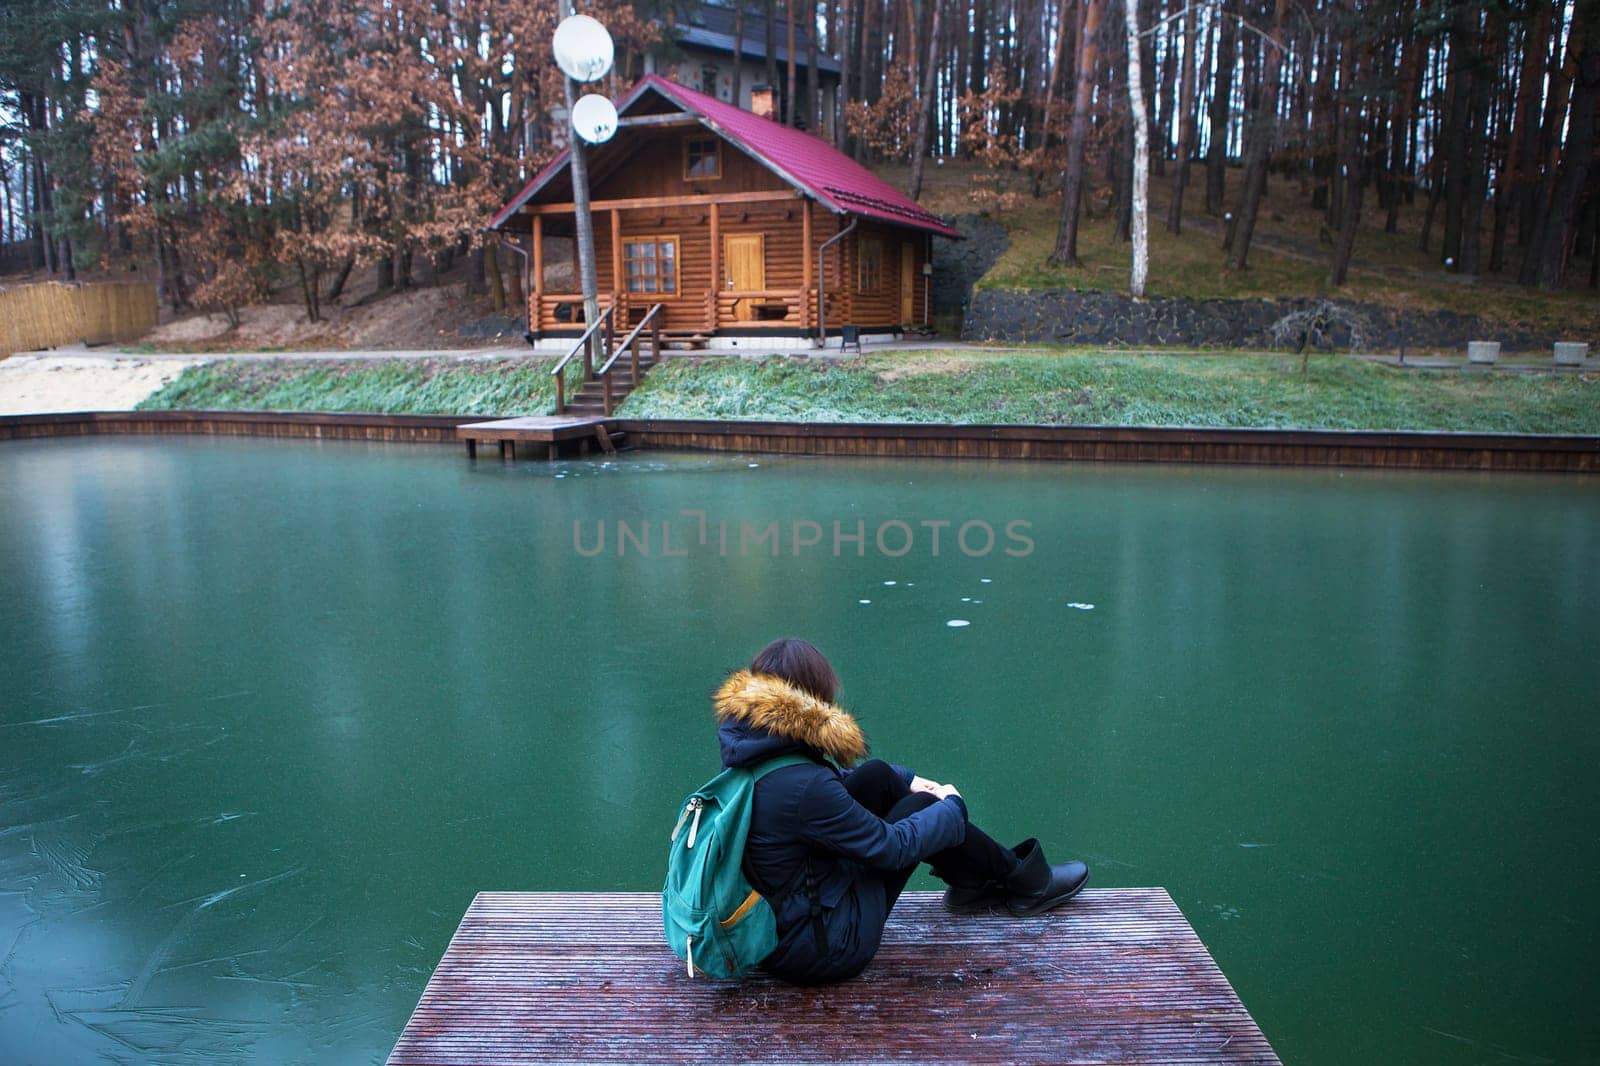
933 788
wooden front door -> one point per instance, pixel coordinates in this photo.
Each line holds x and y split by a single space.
908 284
746 256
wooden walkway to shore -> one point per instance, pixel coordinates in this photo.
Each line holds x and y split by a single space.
1118 976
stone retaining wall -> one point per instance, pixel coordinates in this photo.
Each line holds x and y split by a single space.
957 265
1058 316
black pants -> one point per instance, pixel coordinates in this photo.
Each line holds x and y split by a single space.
976 860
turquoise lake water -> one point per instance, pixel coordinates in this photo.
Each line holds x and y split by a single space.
271 713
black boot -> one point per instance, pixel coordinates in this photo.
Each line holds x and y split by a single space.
980 897
1037 886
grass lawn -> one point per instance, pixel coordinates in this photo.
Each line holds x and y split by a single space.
388 386
1123 388
1042 387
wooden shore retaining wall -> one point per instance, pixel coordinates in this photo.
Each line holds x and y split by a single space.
416 429
1268 447
1259 447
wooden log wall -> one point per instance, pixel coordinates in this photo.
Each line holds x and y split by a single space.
654 169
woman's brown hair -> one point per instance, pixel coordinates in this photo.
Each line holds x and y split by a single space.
799 663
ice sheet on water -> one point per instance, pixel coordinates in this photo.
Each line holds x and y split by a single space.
957 623
1081 606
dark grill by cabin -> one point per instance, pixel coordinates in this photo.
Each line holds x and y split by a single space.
1118 976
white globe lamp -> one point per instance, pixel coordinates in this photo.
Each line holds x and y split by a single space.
594 118
583 48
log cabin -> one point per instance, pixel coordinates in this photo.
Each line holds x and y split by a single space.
745 231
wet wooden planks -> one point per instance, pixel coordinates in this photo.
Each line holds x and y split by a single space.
1117 976
549 430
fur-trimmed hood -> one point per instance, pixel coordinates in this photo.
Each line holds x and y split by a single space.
761 716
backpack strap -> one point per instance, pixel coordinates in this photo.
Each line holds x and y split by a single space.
778 764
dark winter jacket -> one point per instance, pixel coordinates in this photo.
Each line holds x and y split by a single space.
806 827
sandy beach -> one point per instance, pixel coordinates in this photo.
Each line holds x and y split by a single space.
79 380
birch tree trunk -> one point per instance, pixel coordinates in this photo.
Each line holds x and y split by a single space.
1140 222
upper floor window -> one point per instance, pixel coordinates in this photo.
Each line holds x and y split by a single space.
702 158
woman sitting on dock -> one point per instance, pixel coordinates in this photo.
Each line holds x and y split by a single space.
831 847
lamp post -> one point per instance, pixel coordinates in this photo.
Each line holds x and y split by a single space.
584 52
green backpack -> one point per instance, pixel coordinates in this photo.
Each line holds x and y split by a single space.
715 922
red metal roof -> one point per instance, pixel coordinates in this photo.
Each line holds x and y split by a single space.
806 162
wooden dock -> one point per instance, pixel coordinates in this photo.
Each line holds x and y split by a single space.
1118 976
550 430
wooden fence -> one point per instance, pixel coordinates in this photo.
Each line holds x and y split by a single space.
48 315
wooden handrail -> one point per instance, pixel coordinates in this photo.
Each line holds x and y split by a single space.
604 319
605 316
629 344
629 339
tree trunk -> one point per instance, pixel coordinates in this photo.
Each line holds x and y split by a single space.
1562 76
1553 245
1066 251
1522 157
738 53
1464 45
1140 205
791 91
339 279
808 114
919 151
1399 123
1477 193
1262 135
1186 124
771 44
1164 98
839 40
1221 98
491 268
1350 157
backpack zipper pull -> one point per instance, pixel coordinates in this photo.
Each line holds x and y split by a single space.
689 956
694 826
694 802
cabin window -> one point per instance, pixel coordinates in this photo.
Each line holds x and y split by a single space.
702 158
869 265
651 264
708 80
